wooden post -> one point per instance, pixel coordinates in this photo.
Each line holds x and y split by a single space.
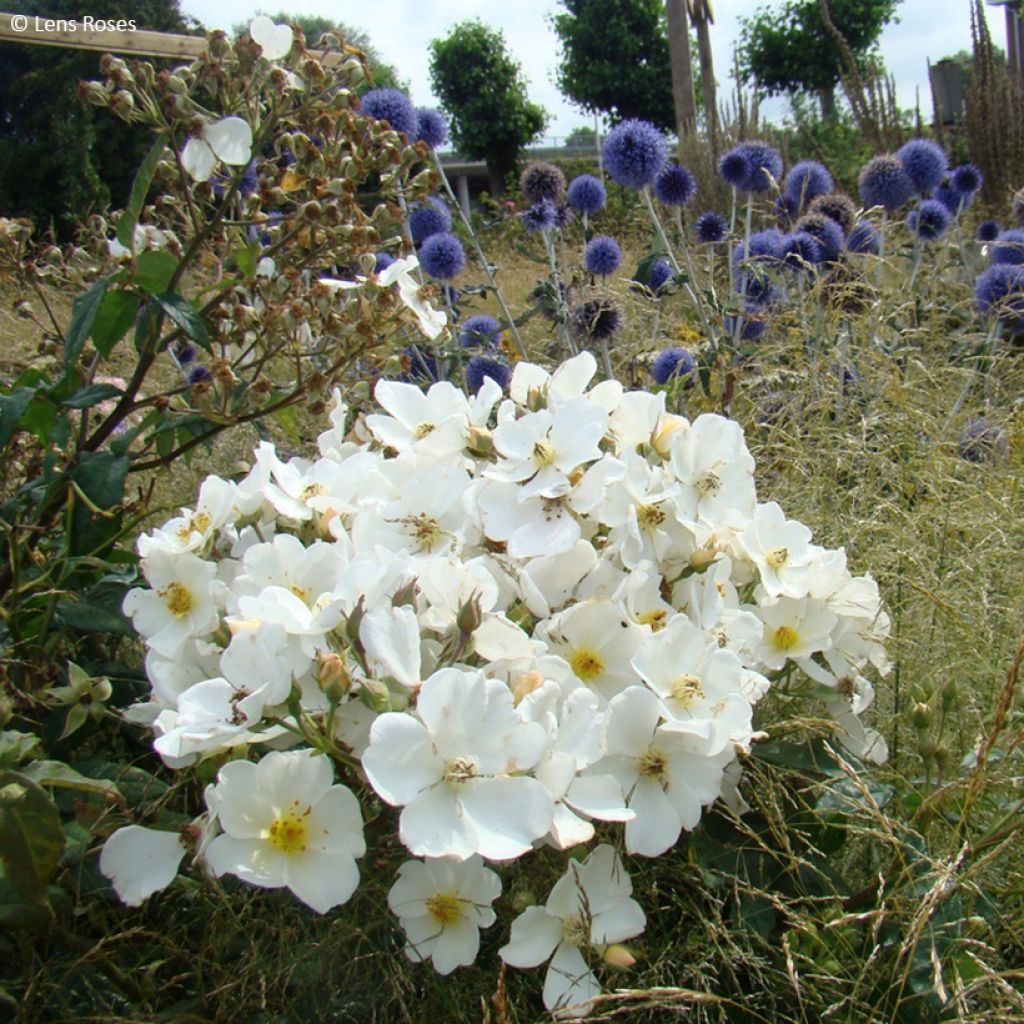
462 191
703 17
682 70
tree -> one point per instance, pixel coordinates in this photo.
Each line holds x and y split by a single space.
582 137
315 25
61 160
789 49
482 89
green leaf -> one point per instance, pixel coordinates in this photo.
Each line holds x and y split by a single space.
136 784
83 315
85 617
154 270
19 911
116 315
31 839
248 259
805 757
12 406
140 189
92 395
101 476
56 773
180 310
16 746
76 717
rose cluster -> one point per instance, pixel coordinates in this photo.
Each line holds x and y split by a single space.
515 620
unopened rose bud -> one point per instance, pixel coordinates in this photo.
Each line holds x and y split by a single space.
333 673
619 957
536 400
950 693
375 695
525 683
480 441
926 748
93 93
666 433
470 616
921 715
702 558
312 210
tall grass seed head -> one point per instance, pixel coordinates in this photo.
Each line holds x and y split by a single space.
542 180
673 364
634 152
442 256
675 185
925 163
838 207
929 221
429 218
1009 247
587 194
393 106
807 180
480 331
602 256
883 182
710 227
431 127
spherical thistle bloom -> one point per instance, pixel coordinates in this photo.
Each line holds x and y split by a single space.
883 182
837 206
734 167
675 185
381 261
542 216
966 179
929 221
285 825
1009 247
480 331
826 231
801 251
443 257
787 209
764 246
999 293
983 441
634 152
199 374
602 256
429 218
480 367
925 162
563 215
596 320
431 127
751 325
988 230
710 227
418 365
806 180
765 166
659 273
674 364
587 194
393 106
864 238
184 352
542 181
1017 207
950 198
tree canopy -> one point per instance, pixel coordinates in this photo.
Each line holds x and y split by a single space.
483 91
789 49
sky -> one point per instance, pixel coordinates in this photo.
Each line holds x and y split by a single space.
402 29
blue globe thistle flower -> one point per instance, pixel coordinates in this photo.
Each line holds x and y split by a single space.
541 216
587 194
184 352
442 256
765 166
419 365
710 227
602 256
563 215
966 179
382 261
801 251
429 218
988 230
634 152
805 180
199 374
249 183
480 331
542 181
950 198
674 364
1017 207
863 238
764 247
480 367
884 182
1009 247
734 167
925 163
983 441
837 207
675 185
787 209
999 293
753 325
659 273
393 106
930 220
595 320
828 233
431 127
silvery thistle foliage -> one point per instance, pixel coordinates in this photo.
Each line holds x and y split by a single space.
517 619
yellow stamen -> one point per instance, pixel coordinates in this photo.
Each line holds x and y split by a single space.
777 558
655 619
653 764
178 599
587 665
444 908
649 517
543 454
459 770
289 831
786 638
686 690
